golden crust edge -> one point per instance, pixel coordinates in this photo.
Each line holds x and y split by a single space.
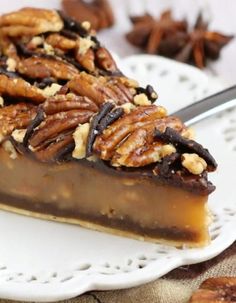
98 227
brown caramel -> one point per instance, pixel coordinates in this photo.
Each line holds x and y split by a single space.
78 192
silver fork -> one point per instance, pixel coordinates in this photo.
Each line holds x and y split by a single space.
208 107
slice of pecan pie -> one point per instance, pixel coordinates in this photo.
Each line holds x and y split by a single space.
81 143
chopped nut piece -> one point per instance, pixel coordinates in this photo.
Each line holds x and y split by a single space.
1 101
18 135
36 41
129 82
194 164
51 90
49 50
80 136
167 150
128 107
9 148
188 133
84 45
86 25
141 100
11 65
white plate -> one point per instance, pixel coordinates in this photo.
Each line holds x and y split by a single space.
177 84
46 261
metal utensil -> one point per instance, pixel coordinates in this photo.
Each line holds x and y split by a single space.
208 107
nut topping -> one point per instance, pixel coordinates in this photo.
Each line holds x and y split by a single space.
30 21
194 164
216 290
80 137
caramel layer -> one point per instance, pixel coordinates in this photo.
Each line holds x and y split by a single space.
80 192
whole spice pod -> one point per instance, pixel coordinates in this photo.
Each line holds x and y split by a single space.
98 12
203 44
174 39
164 36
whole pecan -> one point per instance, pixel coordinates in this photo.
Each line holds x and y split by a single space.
38 67
105 60
30 21
216 290
61 42
19 88
101 89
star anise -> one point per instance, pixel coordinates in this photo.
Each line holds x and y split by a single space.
202 44
164 36
170 38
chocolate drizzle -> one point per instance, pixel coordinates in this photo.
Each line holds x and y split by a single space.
93 131
186 145
36 122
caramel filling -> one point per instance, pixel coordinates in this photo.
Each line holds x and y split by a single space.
74 190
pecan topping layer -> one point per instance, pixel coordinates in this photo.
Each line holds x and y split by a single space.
40 43
80 105
216 290
30 21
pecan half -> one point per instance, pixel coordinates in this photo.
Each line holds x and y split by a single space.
216 290
67 102
37 67
30 21
17 88
86 60
61 42
105 60
51 132
16 116
101 89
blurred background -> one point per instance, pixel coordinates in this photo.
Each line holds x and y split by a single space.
220 14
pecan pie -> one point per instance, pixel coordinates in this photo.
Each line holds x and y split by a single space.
82 143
